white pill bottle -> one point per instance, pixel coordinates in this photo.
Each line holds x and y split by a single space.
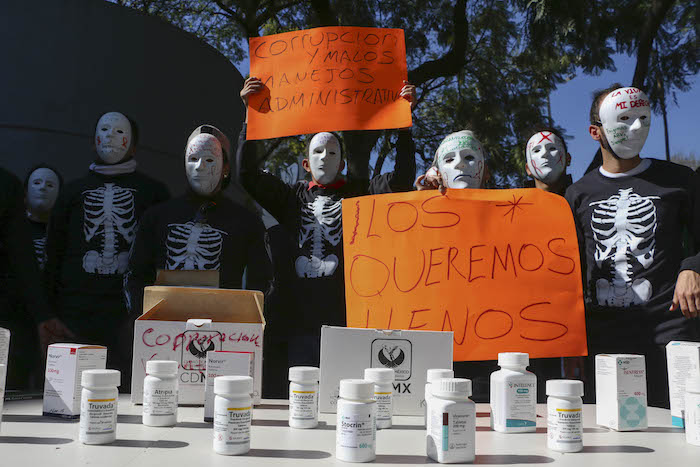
160 388
452 435
98 406
356 425
692 409
383 379
3 377
303 396
513 394
433 375
233 408
564 415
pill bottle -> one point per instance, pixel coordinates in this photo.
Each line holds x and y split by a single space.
233 408
160 393
98 406
356 425
303 396
513 394
692 408
452 434
383 379
434 374
564 415
3 376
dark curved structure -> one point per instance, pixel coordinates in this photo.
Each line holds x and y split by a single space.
65 62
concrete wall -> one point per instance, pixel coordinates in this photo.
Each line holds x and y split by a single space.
63 63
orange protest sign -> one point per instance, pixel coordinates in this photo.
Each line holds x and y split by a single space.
326 79
499 268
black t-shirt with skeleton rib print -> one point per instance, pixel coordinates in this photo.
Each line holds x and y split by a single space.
313 215
631 234
198 233
90 233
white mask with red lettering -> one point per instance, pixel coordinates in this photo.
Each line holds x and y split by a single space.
625 117
113 137
546 156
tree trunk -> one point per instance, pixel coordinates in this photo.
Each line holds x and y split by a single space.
650 28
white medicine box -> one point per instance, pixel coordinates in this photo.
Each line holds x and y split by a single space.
184 323
65 364
621 391
225 363
346 352
683 358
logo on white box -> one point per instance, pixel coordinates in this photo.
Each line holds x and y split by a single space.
395 354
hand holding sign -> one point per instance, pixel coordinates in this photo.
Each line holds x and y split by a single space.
325 79
481 263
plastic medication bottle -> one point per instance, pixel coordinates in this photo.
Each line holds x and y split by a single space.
356 428
452 435
303 396
433 375
383 379
692 409
160 393
98 406
232 414
513 394
564 415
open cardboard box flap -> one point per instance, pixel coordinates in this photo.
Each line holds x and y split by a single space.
220 305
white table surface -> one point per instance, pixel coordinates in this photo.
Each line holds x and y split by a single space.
29 439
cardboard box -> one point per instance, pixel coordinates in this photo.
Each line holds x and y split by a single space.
621 391
346 352
65 364
225 363
683 358
219 319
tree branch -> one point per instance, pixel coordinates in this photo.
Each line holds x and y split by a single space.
454 59
654 18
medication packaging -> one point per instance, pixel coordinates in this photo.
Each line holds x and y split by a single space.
160 393
383 379
621 391
233 412
433 375
452 435
513 394
303 396
683 359
99 402
564 415
225 363
692 409
356 425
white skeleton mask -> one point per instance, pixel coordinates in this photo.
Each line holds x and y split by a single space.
324 157
204 163
460 160
113 137
625 117
546 156
42 190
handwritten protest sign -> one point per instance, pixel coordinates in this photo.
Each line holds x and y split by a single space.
325 79
499 268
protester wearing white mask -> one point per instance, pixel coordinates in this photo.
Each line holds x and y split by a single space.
201 230
631 215
547 160
312 212
459 162
41 189
90 234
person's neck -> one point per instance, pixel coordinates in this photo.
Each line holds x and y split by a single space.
616 165
37 216
555 187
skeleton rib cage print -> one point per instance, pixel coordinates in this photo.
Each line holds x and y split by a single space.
624 229
321 227
108 217
194 246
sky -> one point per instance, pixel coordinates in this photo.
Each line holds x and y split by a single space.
572 100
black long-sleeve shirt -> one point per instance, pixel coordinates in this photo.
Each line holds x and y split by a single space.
90 232
197 233
313 215
630 231
17 253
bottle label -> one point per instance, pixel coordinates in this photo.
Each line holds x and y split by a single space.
303 405
564 425
521 403
98 416
453 430
384 403
159 398
232 425
356 431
